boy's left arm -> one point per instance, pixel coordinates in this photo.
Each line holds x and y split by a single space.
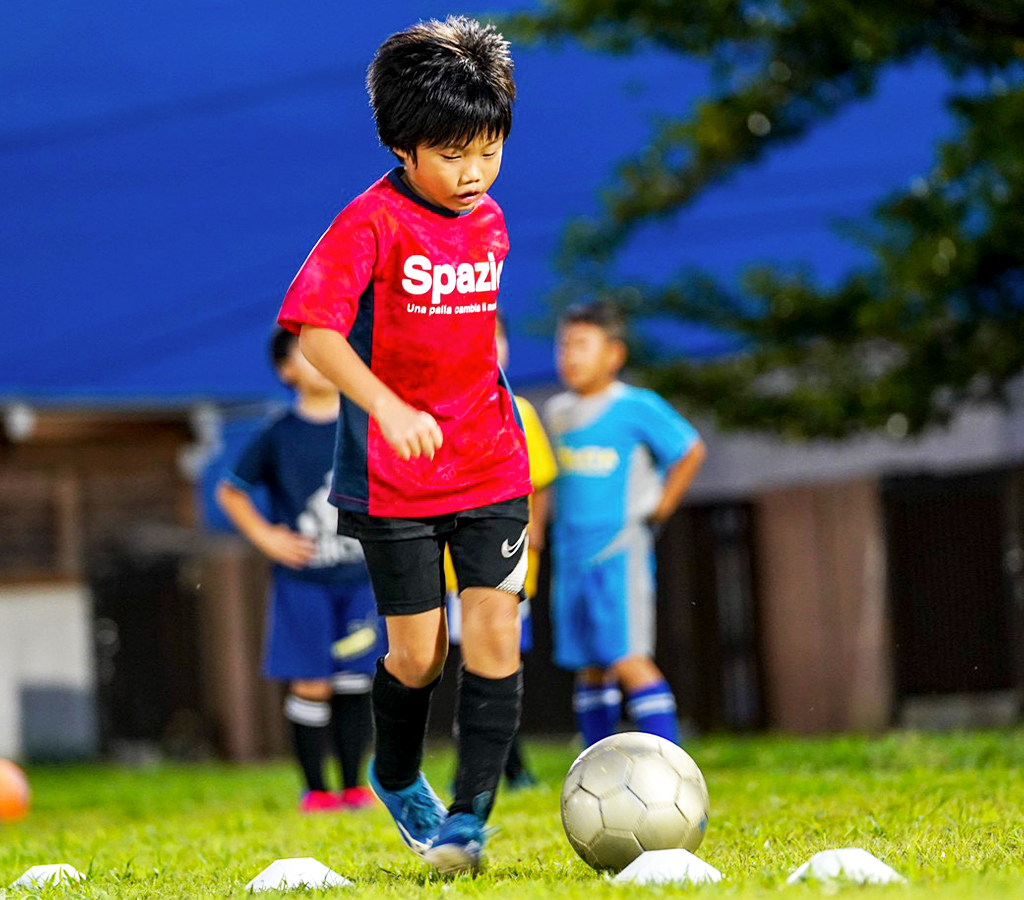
678 479
537 527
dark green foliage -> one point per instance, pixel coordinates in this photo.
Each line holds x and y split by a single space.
935 319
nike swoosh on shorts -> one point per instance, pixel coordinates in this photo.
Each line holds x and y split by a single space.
507 551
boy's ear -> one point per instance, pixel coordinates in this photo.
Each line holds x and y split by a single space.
286 373
621 353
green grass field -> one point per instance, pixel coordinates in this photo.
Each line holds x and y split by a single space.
943 810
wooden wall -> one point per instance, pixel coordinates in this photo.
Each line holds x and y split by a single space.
825 629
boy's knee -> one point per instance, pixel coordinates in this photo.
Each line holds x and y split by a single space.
592 676
498 630
415 666
493 623
311 689
490 639
636 672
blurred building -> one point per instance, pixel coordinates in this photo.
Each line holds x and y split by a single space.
117 633
854 585
72 483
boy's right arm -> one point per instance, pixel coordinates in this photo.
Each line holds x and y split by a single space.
278 542
410 432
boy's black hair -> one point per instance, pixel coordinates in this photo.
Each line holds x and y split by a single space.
281 343
441 84
602 313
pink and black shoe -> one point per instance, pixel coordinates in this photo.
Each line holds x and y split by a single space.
320 801
359 797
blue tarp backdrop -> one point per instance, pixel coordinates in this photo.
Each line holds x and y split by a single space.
166 166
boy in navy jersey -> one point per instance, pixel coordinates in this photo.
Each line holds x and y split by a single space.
323 636
396 306
625 459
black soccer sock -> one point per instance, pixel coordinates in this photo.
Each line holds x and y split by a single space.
488 721
400 719
515 764
352 724
308 719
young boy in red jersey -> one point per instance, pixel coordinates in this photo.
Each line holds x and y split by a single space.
396 306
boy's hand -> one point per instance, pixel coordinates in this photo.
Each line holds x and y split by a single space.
654 525
286 547
410 432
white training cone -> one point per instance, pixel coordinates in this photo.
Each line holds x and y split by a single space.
660 866
849 863
302 872
41 876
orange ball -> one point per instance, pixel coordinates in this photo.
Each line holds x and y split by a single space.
14 792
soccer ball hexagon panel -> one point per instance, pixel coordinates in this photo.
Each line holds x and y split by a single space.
629 793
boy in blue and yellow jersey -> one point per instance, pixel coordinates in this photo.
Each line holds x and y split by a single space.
625 460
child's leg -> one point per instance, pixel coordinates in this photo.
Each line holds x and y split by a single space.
358 642
517 771
489 554
622 611
490 691
404 681
352 725
299 626
408 583
649 699
307 708
515 764
588 625
597 703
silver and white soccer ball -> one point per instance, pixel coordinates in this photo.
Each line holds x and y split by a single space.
629 793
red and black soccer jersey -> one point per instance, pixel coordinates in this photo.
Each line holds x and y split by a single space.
414 288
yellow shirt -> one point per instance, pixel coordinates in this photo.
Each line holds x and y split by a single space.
543 471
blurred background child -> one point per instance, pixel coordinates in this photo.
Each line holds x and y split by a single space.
323 636
625 460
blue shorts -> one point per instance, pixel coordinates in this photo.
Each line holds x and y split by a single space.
603 611
319 631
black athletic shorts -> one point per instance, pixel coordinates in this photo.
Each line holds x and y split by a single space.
405 557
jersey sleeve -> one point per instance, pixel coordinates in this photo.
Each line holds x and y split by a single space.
254 467
668 435
325 292
543 468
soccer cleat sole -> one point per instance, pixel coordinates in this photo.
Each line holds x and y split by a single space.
451 859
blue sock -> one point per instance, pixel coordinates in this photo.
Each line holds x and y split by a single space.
653 709
598 709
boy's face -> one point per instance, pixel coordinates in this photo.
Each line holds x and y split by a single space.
588 360
454 178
